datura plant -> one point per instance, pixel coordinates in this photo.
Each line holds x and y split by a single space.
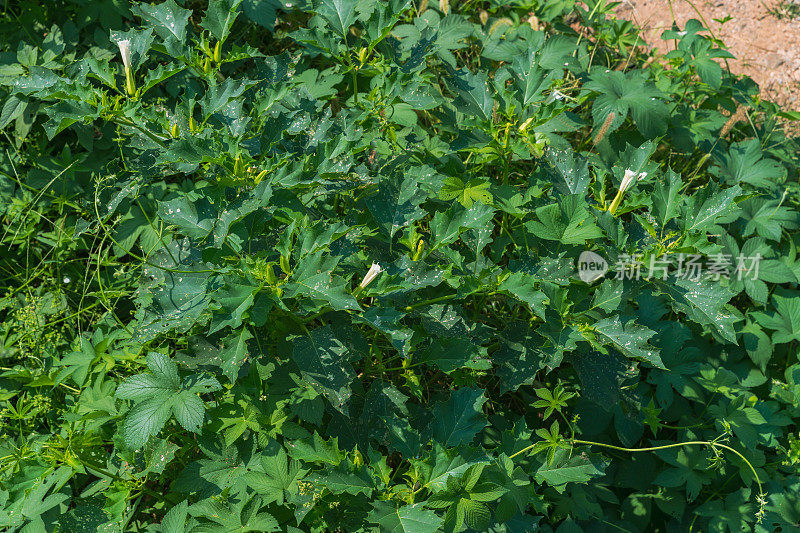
391 267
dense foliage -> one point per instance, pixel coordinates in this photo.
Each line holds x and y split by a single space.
312 266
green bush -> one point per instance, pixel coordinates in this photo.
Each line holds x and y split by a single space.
278 265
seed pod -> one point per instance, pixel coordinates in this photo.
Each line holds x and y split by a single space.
175 130
444 6
191 123
483 16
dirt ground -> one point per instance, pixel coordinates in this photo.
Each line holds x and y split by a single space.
764 35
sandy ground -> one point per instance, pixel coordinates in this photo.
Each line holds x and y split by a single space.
764 35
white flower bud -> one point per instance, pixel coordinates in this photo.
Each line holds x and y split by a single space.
373 272
125 52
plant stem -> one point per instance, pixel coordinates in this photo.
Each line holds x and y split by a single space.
656 448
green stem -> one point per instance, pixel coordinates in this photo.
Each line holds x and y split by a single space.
656 448
355 86
127 122
104 472
431 301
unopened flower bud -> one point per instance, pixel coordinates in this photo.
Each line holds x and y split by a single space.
218 52
284 263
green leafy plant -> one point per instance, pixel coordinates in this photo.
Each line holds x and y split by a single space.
352 266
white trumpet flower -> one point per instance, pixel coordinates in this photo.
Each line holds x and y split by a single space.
125 52
627 180
372 273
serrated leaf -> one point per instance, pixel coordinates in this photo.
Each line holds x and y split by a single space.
220 16
631 339
404 519
340 14
322 359
567 469
457 420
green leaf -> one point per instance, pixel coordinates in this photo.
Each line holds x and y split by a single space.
146 419
340 14
608 295
168 20
159 395
568 222
473 95
704 302
530 79
278 476
234 352
706 207
631 339
449 225
404 519
219 17
785 321
195 219
157 75
140 40
458 419
523 287
262 12
12 109
744 163
666 198
317 451
767 218
475 190
235 300
567 468
452 354
322 359
314 279
397 205
175 519
339 481
619 92
189 410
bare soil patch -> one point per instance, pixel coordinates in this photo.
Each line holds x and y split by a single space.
764 35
